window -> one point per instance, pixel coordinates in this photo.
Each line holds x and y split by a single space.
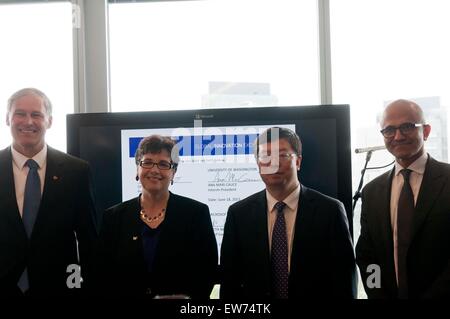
215 53
384 50
37 51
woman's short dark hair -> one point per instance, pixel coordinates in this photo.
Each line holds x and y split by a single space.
155 144
278 133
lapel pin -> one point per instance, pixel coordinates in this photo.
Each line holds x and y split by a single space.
135 237
55 178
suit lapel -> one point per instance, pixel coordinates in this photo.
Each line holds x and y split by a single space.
8 200
430 189
383 213
133 226
49 194
261 240
305 210
52 176
382 228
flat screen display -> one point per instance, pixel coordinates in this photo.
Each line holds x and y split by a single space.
217 164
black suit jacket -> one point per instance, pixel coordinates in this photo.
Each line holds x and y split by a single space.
428 258
185 261
322 260
66 214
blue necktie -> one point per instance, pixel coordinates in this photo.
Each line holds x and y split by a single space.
31 202
405 213
279 255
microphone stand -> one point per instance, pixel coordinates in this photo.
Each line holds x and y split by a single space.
358 191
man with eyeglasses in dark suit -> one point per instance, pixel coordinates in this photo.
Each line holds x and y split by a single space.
405 218
287 241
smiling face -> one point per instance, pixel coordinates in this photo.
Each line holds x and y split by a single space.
155 180
29 122
405 147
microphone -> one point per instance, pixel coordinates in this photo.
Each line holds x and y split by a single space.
369 149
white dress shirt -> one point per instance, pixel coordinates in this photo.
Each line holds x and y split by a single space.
20 171
415 180
290 214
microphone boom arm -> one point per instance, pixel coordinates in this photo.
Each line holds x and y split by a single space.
358 191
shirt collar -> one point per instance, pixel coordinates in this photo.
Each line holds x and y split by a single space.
418 166
19 159
291 200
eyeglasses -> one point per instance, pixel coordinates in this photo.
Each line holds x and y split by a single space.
282 157
405 129
163 165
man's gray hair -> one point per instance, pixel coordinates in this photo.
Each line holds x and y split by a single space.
30 91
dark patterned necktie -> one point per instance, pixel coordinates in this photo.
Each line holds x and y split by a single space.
32 197
405 215
31 202
279 255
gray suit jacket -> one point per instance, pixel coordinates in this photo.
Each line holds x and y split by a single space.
428 259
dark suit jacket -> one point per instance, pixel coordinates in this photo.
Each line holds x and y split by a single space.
322 260
428 258
66 214
185 261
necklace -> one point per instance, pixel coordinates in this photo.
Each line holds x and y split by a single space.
150 219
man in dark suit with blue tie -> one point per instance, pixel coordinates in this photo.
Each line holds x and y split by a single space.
287 241
404 248
47 215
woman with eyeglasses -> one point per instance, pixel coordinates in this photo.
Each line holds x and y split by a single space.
158 244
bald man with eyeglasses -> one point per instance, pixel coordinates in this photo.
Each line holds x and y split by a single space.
404 248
